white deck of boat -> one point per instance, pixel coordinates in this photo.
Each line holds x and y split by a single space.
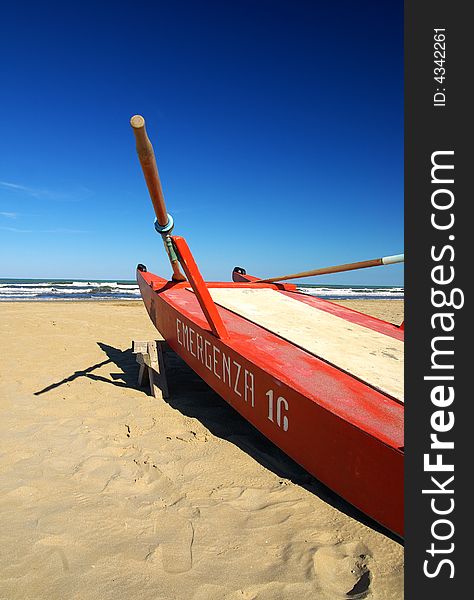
373 357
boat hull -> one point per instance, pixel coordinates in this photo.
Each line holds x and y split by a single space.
346 434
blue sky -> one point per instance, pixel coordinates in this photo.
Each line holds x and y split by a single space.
277 125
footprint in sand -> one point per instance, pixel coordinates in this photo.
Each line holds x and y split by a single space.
95 473
251 499
342 570
175 537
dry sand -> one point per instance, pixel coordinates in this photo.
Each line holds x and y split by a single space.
388 310
108 493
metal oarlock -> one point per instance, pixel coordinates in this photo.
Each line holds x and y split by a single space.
170 249
165 229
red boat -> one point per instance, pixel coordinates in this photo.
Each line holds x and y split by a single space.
321 381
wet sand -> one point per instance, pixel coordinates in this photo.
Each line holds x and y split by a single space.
108 493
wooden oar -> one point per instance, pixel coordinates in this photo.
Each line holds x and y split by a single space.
375 262
150 171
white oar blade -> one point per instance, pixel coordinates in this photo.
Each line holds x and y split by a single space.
391 260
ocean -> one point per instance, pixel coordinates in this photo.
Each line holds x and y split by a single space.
95 289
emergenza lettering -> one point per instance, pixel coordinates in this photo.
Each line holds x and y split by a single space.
222 366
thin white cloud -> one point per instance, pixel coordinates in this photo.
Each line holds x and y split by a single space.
59 230
77 194
12 185
9 215
35 192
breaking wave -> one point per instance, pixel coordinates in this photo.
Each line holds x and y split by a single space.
42 289
68 290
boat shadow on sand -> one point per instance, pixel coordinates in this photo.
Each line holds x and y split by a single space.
226 423
219 418
123 359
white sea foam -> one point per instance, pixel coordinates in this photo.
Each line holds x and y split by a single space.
351 292
52 290
113 290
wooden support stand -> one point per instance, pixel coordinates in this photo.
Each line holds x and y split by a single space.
150 357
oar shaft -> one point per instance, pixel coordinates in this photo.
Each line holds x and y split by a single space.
375 262
150 170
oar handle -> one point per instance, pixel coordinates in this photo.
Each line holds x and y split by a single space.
150 170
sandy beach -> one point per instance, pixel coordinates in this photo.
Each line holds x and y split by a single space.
108 493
